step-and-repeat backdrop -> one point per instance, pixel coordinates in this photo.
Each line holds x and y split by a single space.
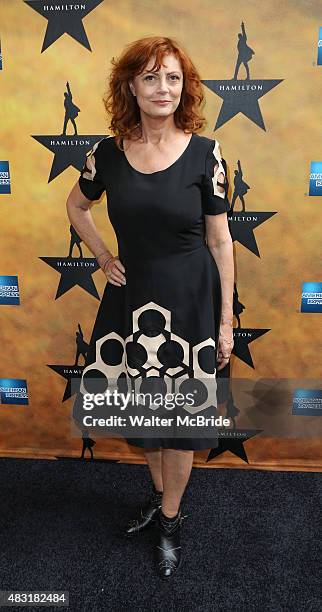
261 67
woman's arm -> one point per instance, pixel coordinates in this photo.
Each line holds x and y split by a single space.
220 244
215 205
78 210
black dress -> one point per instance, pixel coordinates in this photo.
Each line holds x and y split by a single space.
164 323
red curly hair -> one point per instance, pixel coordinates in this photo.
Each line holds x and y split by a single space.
122 107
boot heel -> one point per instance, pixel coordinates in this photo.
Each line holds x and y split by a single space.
148 517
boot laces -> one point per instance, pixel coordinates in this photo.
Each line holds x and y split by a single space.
167 563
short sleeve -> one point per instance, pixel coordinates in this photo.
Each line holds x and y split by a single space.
90 180
215 201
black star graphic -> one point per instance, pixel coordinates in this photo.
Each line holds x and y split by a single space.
69 372
62 21
68 151
242 225
74 271
232 440
243 336
241 96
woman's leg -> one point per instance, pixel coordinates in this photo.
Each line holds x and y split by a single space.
176 468
153 457
151 509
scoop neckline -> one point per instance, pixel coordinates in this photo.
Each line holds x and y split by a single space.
164 169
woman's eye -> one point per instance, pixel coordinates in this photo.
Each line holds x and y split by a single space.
173 77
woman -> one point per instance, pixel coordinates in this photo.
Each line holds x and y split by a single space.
170 287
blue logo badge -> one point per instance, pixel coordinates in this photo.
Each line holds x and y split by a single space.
13 391
9 290
311 297
316 179
4 177
307 402
320 48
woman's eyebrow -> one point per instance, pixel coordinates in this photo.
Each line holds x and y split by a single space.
154 71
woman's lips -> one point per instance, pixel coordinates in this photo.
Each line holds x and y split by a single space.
161 102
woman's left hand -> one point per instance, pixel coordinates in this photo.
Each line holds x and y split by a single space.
225 344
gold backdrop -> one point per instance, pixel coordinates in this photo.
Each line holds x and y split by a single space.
276 165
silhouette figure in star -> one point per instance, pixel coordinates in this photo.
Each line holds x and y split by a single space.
81 345
87 443
74 239
240 187
245 53
71 110
238 307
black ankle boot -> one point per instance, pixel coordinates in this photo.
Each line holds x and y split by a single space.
168 551
148 515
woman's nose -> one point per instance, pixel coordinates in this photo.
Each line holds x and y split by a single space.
163 85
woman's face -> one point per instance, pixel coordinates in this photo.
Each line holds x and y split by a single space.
158 93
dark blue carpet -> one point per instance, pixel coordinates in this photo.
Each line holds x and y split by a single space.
252 540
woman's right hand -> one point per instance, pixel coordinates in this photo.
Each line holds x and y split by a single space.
114 271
